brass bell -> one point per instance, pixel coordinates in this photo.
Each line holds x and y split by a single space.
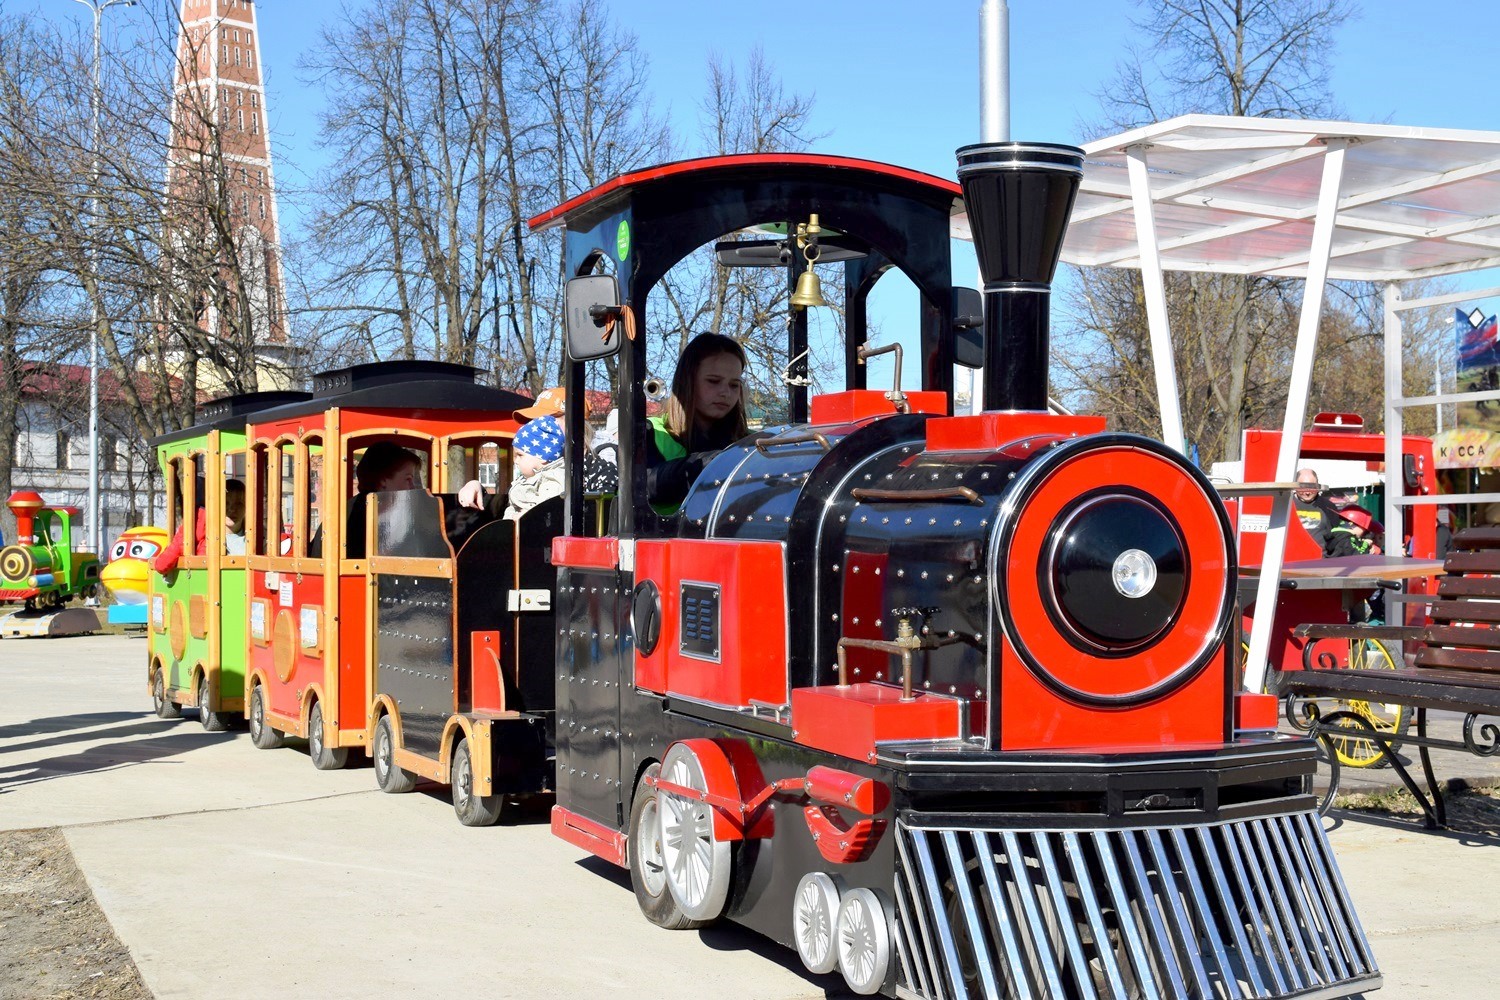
809 291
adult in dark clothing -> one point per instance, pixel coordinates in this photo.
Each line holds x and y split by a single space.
384 466
1313 510
705 415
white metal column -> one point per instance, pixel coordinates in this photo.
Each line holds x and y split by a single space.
1164 361
1296 411
1395 478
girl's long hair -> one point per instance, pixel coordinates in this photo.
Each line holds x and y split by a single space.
682 411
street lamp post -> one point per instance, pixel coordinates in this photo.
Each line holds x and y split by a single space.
94 96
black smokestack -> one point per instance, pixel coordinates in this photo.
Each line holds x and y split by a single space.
1019 197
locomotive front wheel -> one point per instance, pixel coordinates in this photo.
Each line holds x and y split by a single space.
262 735
472 809
324 757
698 865
213 722
388 776
815 915
864 941
648 875
164 707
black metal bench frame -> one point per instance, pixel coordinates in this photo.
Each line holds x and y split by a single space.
1457 670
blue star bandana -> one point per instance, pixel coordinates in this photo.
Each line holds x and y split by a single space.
541 438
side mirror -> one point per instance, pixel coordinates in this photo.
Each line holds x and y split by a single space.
968 328
1411 472
591 305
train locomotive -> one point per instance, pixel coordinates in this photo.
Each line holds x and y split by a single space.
947 703
39 569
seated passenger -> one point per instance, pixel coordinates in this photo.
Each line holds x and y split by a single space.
234 518
705 414
384 467
539 465
166 560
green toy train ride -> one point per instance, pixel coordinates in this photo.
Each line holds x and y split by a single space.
40 568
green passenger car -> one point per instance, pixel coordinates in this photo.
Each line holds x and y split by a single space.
198 608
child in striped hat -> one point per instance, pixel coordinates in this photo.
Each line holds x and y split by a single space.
538 447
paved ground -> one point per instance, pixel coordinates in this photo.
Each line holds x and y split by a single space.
230 872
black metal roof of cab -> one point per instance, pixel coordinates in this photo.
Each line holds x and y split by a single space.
230 413
400 385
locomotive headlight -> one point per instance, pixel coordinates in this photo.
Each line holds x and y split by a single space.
1115 572
1135 573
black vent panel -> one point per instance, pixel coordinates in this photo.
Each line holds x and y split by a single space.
699 624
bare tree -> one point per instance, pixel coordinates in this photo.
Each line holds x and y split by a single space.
1239 57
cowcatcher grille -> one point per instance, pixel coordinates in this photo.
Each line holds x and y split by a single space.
1252 908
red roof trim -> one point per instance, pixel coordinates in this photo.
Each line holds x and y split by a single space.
710 163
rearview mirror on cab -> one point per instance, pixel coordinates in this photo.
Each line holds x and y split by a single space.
591 303
968 327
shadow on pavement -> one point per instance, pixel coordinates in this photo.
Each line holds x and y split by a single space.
65 723
726 936
1412 823
107 757
147 725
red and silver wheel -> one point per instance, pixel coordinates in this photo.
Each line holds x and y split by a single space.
696 863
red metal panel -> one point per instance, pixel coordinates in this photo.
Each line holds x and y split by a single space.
991 430
592 837
586 553
354 630
849 720
485 657
651 563
752 620
857 404
1256 711
1034 717
863 605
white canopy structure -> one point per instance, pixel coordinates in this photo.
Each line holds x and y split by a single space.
1309 199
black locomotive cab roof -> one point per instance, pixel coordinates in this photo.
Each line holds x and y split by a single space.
400 385
728 172
230 412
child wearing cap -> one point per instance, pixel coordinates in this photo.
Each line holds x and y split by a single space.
538 449
1354 535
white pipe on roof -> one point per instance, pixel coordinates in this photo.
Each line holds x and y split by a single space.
1163 358
1296 411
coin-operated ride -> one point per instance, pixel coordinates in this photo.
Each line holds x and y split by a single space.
40 569
947 703
127 575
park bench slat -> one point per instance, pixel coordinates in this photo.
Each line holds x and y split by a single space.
1484 560
1419 687
1459 659
1477 538
1469 586
1477 637
1465 611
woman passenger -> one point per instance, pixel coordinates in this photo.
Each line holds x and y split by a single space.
705 415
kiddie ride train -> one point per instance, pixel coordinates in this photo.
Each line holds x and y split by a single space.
945 702
41 572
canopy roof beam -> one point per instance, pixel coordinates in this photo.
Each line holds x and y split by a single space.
1296 410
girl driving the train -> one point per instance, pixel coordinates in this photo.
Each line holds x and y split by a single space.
705 415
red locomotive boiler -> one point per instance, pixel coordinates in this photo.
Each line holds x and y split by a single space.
945 702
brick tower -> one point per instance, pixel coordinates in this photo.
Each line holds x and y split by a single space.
219 95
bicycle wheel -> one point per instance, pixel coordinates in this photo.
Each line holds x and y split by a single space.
1355 751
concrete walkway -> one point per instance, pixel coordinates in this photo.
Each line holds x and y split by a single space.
231 872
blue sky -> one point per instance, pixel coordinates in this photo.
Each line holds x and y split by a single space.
897 80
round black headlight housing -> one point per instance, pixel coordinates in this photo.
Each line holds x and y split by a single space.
1115 572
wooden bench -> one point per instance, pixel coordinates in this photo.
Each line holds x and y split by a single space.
1457 669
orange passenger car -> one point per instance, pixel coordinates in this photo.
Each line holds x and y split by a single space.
311 548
